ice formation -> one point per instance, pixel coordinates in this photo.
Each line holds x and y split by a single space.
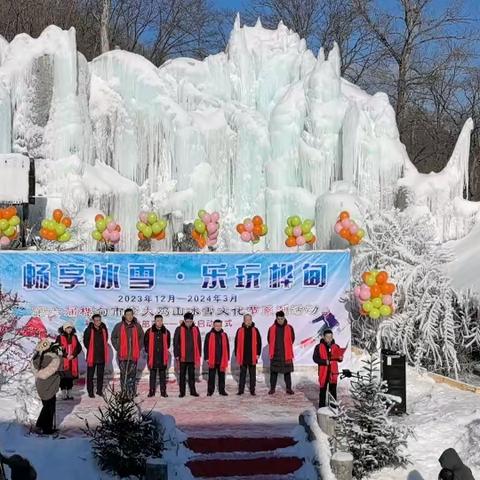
262 128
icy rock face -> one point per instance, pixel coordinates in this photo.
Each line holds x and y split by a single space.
262 128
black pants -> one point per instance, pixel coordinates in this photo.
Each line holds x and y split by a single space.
211 379
162 375
252 372
128 377
100 367
46 419
332 388
187 368
286 376
66 383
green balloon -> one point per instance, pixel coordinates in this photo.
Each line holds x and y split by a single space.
377 302
199 226
247 220
44 223
101 225
156 228
370 281
65 237
201 213
307 226
97 235
14 221
51 224
296 220
374 313
4 224
147 231
265 229
108 219
289 221
163 224
385 310
60 229
152 218
308 236
367 306
140 226
9 231
374 273
288 231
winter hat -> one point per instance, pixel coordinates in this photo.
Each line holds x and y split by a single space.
43 345
67 325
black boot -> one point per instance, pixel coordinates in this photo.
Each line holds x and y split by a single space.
151 393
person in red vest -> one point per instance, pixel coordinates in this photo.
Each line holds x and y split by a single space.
71 348
326 355
157 343
216 352
280 345
95 340
187 347
248 347
127 337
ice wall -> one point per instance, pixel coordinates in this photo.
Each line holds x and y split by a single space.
262 128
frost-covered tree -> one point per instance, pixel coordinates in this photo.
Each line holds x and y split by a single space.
125 436
430 324
365 429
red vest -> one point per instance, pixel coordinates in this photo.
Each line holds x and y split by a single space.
212 352
183 344
329 373
70 348
151 348
287 340
241 343
124 343
91 346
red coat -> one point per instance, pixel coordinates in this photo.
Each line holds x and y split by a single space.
327 373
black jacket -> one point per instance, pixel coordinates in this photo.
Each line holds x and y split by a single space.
98 346
450 459
316 353
247 344
157 344
190 356
133 328
218 346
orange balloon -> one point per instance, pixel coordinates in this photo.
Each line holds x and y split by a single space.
12 211
202 242
141 236
195 235
354 240
240 228
343 215
99 217
312 240
345 233
42 233
365 275
257 230
2 213
387 288
375 291
257 220
7 214
161 235
363 312
67 221
291 241
382 277
51 235
118 228
57 215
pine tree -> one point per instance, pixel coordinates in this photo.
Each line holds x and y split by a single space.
125 436
365 428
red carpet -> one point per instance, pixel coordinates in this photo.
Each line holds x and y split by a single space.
233 444
244 467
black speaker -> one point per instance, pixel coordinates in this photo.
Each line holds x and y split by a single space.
394 373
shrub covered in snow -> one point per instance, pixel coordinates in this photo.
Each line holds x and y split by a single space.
125 436
364 427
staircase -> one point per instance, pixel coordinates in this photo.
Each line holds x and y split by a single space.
243 458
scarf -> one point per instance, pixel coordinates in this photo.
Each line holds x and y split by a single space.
287 341
69 349
91 346
183 344
212 353
151 348
241 343
124 343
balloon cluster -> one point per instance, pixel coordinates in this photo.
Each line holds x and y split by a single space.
299 233
150 225
9 221
56 228
348 229
106 229
205 228
252 229
375 294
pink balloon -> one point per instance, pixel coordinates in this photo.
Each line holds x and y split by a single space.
106 235
356 291
249 227
353 228
211 227
207 218
143 217
297 231
364 286
215 216
4 241
211 242
346 223
246 236
364 294
114 236
338 227
387 299
111 226
213 235
301 240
